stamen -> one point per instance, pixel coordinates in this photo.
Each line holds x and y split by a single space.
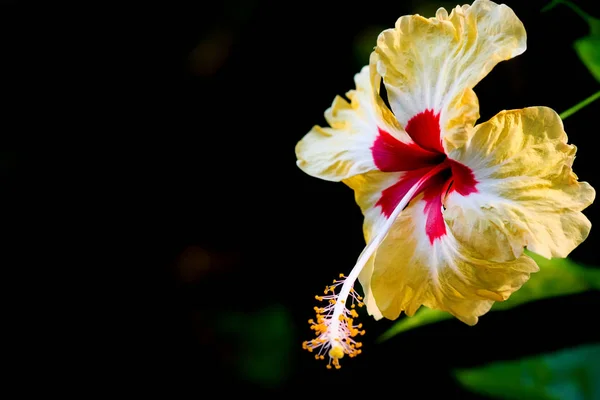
334 325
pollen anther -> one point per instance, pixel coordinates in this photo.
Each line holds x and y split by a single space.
334 324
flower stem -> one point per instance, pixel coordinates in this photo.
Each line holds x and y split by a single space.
585 16
579 105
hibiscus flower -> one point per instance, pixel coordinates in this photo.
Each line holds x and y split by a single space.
449 206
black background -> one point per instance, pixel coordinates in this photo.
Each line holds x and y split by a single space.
196 108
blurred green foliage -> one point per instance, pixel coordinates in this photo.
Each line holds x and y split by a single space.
364 43
569 374
587 47
264 341
557 277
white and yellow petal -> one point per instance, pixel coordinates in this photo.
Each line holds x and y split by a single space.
430 66
363 136
381 196
412 267
343 149
527 194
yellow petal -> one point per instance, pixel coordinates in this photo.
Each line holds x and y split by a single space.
527 194
365 281
344 149
433 64
410 271
368 189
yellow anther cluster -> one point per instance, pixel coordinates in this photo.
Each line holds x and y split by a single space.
335 339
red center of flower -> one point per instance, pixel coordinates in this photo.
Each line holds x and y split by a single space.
417 159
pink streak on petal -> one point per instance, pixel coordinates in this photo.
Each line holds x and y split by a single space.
464 179
424 129
391 196
392 155
435 227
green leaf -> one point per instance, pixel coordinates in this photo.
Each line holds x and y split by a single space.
557 277
424 316
569 374
588 50
587 47
594 24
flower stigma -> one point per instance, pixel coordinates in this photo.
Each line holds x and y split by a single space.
334 326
